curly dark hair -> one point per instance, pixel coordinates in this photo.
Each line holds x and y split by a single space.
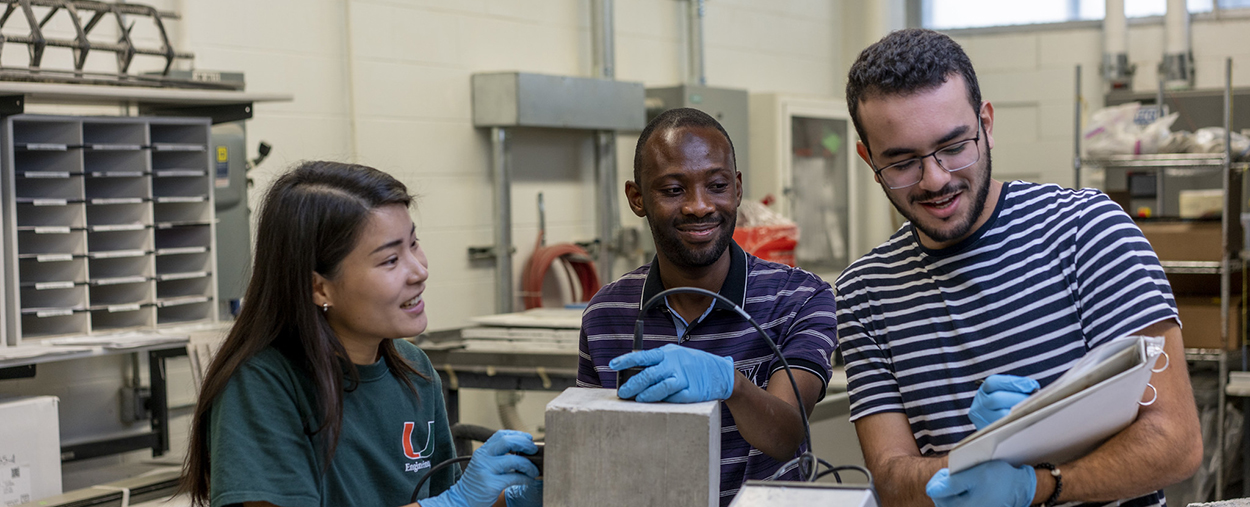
906 62
674 119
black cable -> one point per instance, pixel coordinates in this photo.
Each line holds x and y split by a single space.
830 469
433 469
843 468
834 470
837 478
806 460
471 432
826 465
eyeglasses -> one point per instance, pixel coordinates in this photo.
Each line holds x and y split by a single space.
954 157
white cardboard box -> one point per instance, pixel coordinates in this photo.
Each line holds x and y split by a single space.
30 449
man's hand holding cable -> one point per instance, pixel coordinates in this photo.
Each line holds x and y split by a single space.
492 470
676 374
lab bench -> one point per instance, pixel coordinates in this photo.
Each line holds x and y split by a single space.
157 438
518 368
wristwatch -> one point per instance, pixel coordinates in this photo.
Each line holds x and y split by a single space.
1054 472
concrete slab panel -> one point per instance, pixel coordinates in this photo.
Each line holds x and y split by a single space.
601 450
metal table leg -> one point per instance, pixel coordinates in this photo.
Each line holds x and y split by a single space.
1245 447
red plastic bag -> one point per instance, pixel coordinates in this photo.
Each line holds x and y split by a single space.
769 242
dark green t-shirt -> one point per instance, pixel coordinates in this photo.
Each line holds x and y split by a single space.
262 447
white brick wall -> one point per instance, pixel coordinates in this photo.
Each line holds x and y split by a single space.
408 79
408 82
402 104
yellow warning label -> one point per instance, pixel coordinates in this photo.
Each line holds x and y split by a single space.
221 153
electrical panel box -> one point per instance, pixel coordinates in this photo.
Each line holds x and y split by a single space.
108 225
729 107
234 219
803 156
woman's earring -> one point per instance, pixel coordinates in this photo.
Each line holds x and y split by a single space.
325 307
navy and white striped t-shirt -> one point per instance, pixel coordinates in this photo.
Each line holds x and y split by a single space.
1052 274
793 306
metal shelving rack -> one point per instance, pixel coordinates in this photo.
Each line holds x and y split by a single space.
1232 258
110 225
171 270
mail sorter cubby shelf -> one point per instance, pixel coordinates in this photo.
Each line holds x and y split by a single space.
109 225
182 190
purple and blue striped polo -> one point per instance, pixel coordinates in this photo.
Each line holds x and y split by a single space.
795 307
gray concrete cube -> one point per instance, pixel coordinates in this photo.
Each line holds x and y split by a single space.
602 450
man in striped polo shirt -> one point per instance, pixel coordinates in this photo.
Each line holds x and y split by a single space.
1016 280
687 186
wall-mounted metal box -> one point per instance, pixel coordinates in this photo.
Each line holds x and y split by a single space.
518 99
730 107
804 158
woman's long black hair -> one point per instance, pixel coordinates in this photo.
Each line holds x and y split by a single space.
311 218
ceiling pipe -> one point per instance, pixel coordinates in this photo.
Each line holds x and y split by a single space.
694 42
603 38
1117 72
1177 69
606 181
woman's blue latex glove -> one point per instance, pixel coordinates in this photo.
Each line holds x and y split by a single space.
491 471
676 374
990 484
524 496
996 397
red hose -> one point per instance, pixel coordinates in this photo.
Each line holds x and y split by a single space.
574 257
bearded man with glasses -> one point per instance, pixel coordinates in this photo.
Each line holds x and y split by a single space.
990 291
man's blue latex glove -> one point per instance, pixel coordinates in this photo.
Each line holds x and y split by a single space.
990 484
491 470
676 374
996 397
524 496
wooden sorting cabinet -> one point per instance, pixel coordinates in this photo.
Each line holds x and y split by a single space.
108 225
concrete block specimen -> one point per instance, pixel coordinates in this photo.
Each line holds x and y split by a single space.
602 450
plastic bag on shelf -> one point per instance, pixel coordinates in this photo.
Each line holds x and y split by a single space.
766 234
1155 134
1179 142
752 213
1124 130
1211 140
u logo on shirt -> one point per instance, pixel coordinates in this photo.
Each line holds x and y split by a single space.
426 450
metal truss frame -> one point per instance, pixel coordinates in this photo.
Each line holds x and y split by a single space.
124 49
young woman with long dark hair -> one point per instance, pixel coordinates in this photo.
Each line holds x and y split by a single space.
314 398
